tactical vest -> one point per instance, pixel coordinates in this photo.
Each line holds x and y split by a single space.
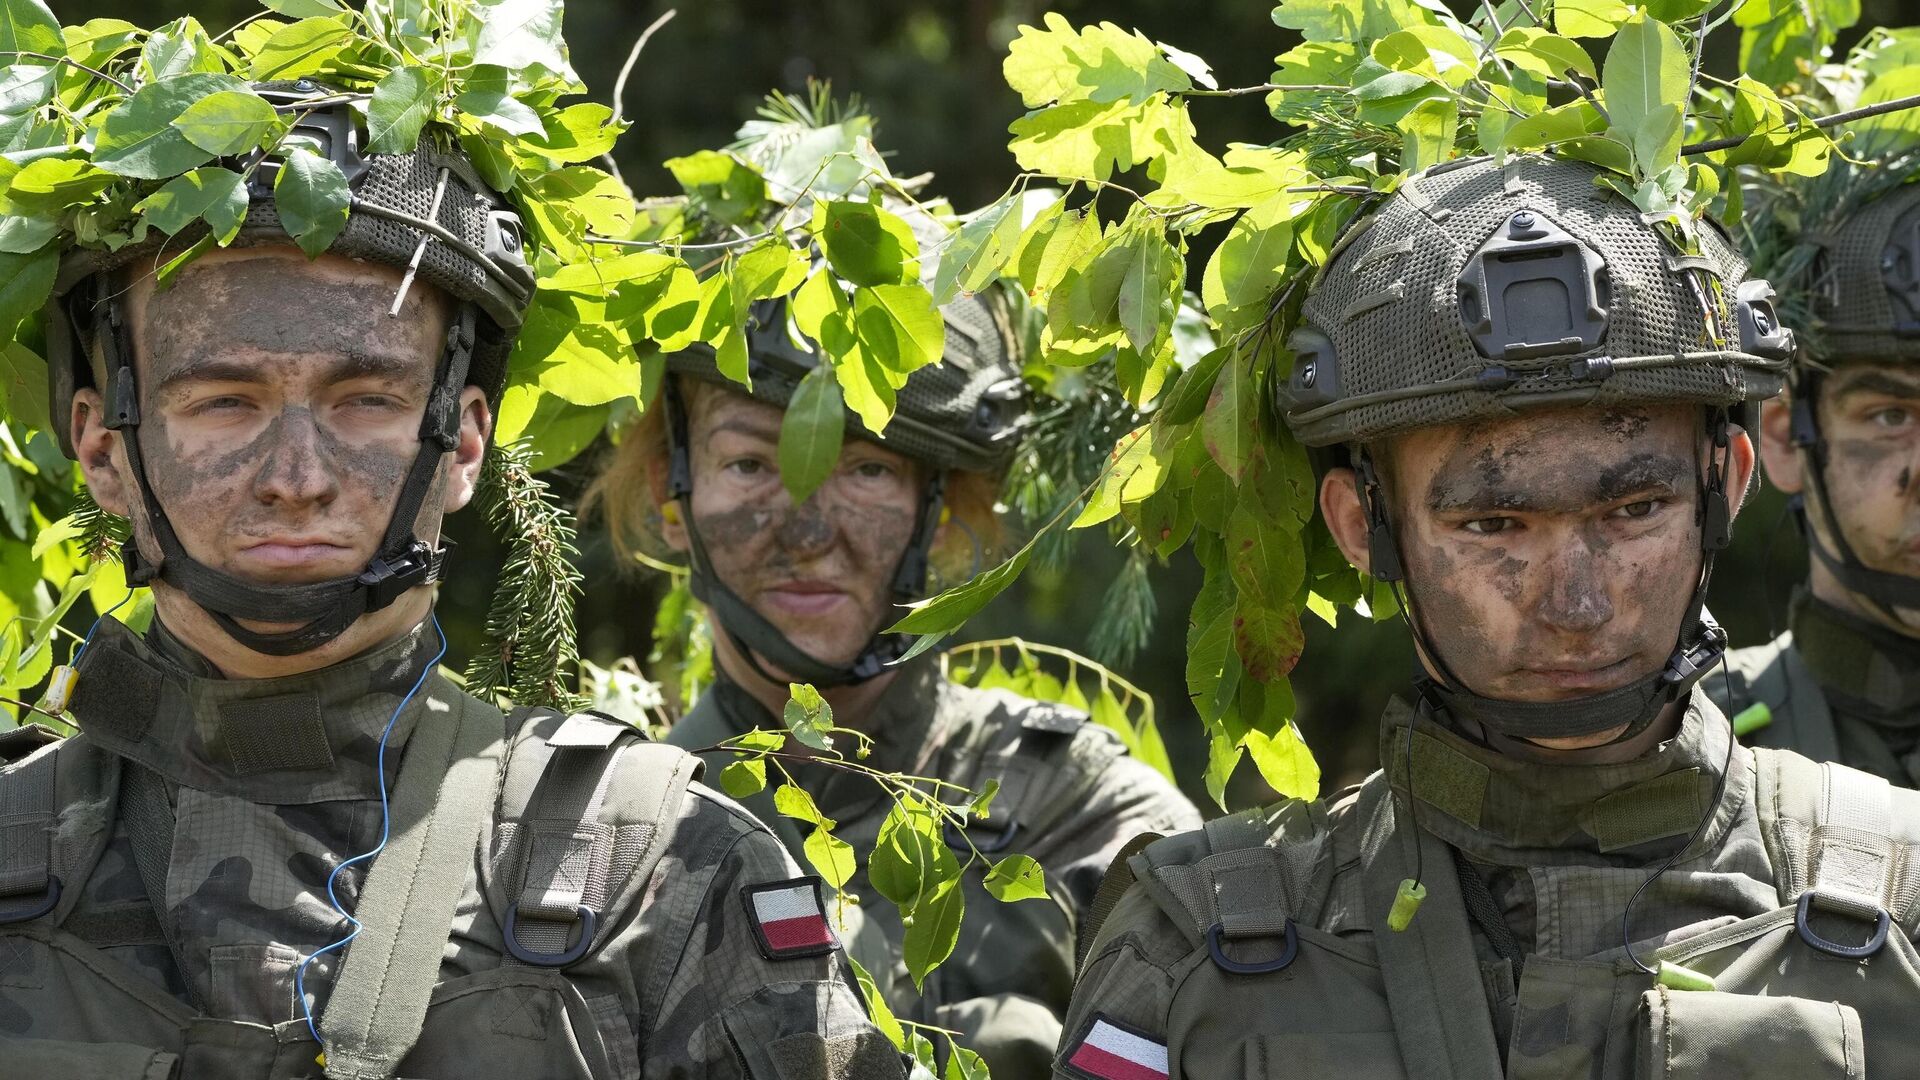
1823 985
1773 675
560 819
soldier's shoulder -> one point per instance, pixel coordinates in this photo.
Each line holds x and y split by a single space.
1747 667
19 743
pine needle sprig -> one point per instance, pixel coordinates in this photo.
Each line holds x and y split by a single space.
531 649
100 533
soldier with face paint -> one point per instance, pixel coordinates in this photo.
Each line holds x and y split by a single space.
283 845
802 592
1843 683
1567 865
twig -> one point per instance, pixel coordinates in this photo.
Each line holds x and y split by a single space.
68 60
1587 92
1334 189
1239 91
1834 120
718 245
620 83
1531 14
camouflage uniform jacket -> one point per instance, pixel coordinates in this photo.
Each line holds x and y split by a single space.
1258 947
1070 797
1835 688
271 784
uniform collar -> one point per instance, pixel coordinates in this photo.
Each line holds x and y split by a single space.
1502 810
1865 669
298 739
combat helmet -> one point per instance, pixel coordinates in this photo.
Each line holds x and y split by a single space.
427 212
1854 265
967 411
1481 290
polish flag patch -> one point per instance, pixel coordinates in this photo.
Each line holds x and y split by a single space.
789 919
1108 1051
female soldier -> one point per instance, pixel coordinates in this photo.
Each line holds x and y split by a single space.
801 592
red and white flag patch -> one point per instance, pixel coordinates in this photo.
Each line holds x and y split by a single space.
1107 1051
789 919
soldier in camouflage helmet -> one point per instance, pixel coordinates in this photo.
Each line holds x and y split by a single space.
540 895
1843 683
801 593
1568 866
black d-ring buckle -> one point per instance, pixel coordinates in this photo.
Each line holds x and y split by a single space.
527 956
1226 963
958 840
1882 921
52 901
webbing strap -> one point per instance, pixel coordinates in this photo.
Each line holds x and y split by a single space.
1441 1018
26 828
149 819
440 803
568 847
1851 850
1118 879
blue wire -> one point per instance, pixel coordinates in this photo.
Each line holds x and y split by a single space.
88 640
386 821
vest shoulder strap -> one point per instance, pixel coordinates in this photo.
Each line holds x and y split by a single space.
1246 875
1841 839
1042 758
28 888
587 809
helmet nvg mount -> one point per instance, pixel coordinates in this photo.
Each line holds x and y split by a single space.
425 211
968 411
1865 298
1478 291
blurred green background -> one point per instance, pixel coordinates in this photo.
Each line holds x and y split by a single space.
929 72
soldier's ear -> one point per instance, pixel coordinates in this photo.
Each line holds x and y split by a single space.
463 465
1740 463
1777 452
1346 516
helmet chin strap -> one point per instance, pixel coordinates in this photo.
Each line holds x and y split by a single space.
1700 645
324 609
1881 589
755 637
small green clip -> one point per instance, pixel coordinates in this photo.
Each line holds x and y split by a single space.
1406 901
1680 977
1752 719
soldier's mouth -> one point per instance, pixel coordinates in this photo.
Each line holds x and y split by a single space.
1582 679
292 553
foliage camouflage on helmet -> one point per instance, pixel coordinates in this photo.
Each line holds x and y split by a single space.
1479 289
1843 245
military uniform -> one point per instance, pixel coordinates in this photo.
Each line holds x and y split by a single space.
1070 798
165 871
1836 688
1259 947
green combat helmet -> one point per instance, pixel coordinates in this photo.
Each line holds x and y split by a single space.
1478 291
966 412
426 212
1862 288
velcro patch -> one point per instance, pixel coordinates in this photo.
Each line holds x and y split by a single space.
789 919
1108 1050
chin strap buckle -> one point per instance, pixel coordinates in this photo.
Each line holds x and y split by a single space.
385 579
1687 665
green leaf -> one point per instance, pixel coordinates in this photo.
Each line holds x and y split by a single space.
138 139
1268 638
23 235
808 717
23 374
579 133
1892 132
486 95
302 9
50 185
229 122
403 100
1188 398
1223 754
945 613
1589 18
899 327
1051 246
831 857
1098 63
744 777
300 48
179 48
1250 263
1645 80
1017 877
973 258
214 195
795 802
935 931
313 199
596 196
1285 763
1228 423
876 1002
97 41
1549 56
811 432
25 283
519 34
1384 96
964 1064
1131 453
1560 124
29 26
1092 140
556 430
1429 129
1434 52
866 245
723 185
1149 289
773 269
910 859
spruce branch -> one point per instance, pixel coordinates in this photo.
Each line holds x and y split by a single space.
100 533
530 640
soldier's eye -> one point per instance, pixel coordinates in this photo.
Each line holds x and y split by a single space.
1893 417
1489 525
1638 509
